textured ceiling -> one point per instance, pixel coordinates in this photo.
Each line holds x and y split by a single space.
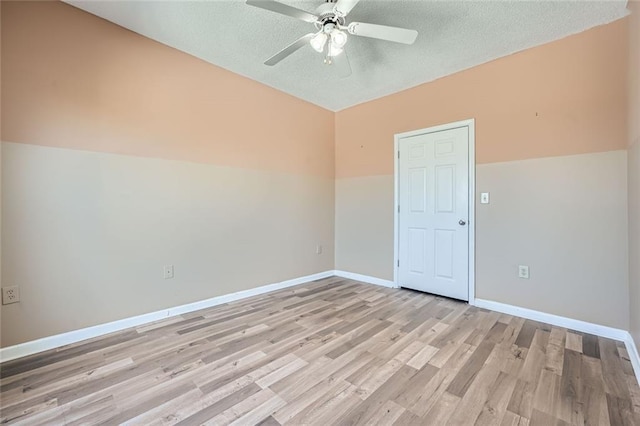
453 35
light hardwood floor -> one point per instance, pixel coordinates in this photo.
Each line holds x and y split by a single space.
329 352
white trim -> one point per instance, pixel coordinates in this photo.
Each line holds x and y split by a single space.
365 278
28 348
557 320
630 344
571 324
471 124
472 211
396 202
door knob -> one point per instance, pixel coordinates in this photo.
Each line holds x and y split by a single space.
462 222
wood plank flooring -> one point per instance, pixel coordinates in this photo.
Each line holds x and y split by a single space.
329 352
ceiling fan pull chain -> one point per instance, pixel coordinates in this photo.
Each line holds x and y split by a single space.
327 55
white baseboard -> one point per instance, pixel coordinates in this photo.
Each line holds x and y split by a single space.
573 324
365 278
28 348
630 344
569 323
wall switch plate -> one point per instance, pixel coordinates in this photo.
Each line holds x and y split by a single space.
523 272
484 198
319 249
10 295
168 272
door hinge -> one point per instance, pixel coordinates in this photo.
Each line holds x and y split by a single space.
398 263
398 208
398 155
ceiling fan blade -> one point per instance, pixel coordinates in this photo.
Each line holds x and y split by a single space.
343 7
289 49
383 32
283 9
342 64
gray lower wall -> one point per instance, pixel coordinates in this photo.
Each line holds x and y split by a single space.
86 234
634 241
564 217
364 226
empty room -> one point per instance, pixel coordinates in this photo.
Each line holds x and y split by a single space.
308 212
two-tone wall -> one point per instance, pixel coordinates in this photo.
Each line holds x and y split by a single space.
634 169
121 155
551 138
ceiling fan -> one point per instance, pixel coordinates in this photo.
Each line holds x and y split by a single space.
332 29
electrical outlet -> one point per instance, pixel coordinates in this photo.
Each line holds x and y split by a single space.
168 272
10 295
319 249
484 198
523 272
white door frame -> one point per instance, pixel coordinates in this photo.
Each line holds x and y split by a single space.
471 124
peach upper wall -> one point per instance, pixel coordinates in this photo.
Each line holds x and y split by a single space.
562 98
73 80
634 71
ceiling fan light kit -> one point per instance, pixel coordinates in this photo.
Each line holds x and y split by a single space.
318 41
331 36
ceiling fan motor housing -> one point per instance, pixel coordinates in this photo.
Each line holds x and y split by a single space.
327 15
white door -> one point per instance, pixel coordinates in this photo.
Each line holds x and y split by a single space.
433 195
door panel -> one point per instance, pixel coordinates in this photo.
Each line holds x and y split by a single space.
417 189
443 247
445 189
417 256
433 194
